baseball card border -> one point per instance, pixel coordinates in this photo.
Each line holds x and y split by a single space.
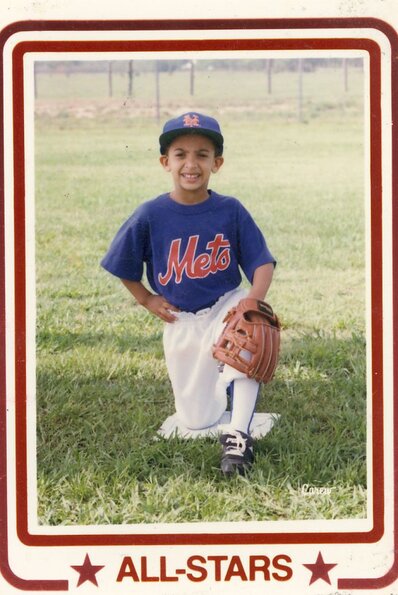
21 465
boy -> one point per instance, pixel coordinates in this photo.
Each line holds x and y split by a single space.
193 241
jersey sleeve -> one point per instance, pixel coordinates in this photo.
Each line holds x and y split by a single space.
128 250
253 251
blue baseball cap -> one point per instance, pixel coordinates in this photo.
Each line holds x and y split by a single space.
191 123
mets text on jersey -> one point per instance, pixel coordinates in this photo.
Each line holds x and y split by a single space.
196 266
199 568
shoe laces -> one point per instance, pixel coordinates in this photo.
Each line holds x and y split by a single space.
235 443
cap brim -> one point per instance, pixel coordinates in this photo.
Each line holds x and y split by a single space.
167 138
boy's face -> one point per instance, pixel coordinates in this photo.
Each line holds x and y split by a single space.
191 160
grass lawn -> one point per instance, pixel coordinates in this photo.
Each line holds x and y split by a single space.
102 385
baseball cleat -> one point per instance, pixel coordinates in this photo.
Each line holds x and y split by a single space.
237 455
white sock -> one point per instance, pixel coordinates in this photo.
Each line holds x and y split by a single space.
245 392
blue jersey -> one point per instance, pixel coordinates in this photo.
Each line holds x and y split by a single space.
193 253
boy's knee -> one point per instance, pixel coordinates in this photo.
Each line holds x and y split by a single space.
196 422
195 419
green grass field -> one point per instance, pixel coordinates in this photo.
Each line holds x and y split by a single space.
102 385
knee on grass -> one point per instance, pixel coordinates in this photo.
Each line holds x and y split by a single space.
194 422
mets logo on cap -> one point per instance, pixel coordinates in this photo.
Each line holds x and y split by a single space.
189 123
191 120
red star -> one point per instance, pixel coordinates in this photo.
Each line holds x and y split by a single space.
87 572
320 570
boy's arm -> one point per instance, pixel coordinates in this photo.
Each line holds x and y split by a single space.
152 302
261 281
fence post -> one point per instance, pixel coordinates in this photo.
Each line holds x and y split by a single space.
269 75
192 78
130 75
300 90
110 82
345 64
157 84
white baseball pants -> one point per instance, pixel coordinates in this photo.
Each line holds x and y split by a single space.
199 388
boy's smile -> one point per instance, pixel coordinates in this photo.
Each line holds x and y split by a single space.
191 160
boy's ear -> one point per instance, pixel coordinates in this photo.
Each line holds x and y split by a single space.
164 161
218 161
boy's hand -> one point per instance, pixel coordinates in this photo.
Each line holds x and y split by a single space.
160 307
152 302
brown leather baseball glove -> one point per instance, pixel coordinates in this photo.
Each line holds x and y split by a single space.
250 340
